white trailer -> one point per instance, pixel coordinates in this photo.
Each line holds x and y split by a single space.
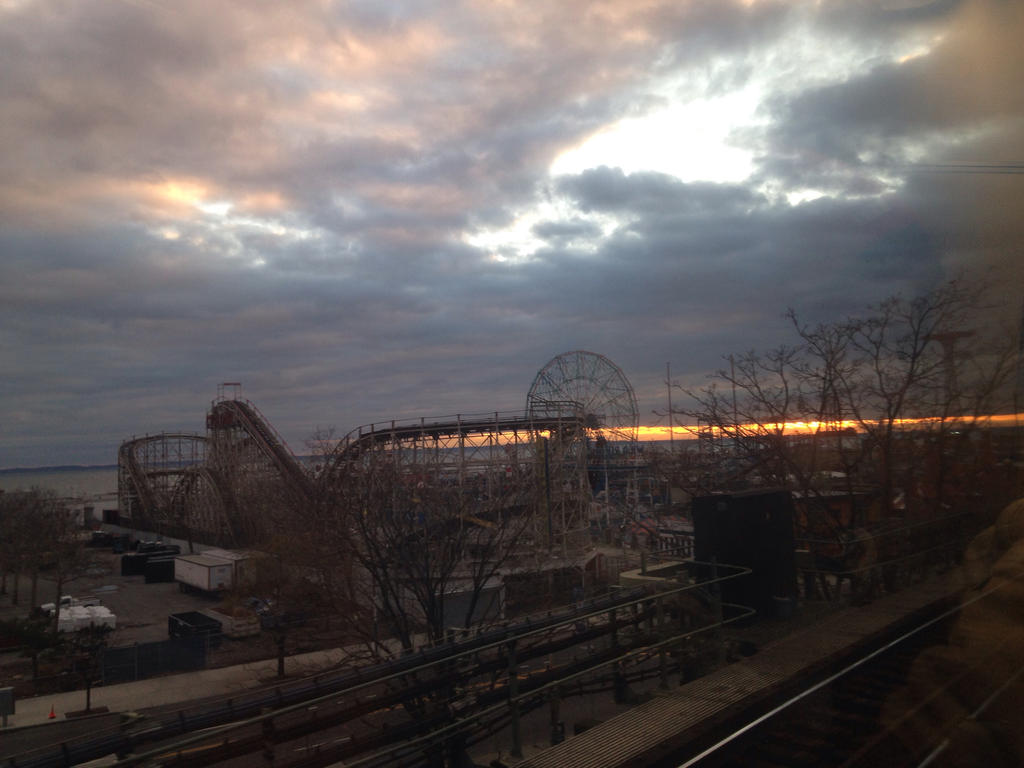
203 572
240 562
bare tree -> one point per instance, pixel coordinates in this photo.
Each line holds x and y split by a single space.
421 554
14 531
66 553
39 534
85 649
285 587
35 635
867 393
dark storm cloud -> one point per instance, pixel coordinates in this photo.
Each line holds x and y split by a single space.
696 271
884 17
612 191
898 132
943 103
720 244
284 195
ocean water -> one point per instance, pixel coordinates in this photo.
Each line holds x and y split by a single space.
70 482
92 482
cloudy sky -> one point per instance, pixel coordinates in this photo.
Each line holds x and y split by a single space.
371 210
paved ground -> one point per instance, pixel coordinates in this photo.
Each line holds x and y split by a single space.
171 689
141 608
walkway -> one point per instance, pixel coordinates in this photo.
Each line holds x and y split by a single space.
20 735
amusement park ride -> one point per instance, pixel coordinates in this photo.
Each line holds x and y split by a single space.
573 448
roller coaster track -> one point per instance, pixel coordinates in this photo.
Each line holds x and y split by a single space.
235 424
139 483
140 477
244 414
372 436
223 508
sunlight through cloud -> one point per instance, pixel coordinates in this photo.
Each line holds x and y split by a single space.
689 141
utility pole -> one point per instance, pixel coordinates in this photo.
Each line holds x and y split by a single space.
671 434
671 423
735 417
1018 389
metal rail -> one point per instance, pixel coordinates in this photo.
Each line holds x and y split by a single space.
297 696
476 647
221 718
876 748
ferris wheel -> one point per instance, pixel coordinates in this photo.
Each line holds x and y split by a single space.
590 385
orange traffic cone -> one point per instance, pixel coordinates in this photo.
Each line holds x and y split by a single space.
53 715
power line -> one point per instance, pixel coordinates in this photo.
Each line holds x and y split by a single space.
987 167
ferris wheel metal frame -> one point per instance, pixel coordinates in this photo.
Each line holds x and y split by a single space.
590 386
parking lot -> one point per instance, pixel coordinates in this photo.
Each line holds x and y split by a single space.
142 610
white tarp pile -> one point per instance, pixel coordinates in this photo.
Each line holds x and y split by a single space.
81 616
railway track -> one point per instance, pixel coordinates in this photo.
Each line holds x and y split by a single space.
953 684
476 672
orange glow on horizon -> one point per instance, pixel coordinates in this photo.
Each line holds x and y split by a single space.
690 431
